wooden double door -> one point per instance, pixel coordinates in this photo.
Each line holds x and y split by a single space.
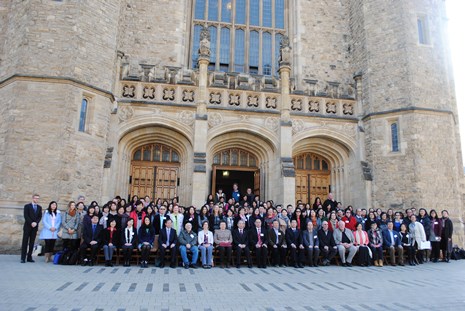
311 184
157 180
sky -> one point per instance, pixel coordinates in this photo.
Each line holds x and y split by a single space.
456 28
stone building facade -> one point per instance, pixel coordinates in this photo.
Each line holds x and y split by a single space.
292 98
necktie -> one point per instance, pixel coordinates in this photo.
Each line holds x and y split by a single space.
162 218
240 231
176 222
35 208
93 231
167 235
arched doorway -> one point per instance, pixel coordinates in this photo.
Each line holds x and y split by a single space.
312 177
155 172
235 165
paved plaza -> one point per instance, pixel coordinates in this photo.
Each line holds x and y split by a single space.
39 286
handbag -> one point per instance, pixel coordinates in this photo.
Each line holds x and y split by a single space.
225 244
424 245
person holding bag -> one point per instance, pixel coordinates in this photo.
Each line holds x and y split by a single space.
418 235
49 233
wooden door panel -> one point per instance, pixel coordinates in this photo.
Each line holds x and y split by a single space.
256 182
142 180
166 182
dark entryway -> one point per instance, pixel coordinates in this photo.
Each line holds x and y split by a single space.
224 178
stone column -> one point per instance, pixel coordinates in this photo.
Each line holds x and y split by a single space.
200 185
287 184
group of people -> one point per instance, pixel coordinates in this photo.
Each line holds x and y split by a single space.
297 236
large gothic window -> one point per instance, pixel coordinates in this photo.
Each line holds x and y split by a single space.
244 34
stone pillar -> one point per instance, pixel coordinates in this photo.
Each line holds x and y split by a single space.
200 180
287 185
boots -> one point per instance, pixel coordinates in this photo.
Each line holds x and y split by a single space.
48 257
376 263
380 262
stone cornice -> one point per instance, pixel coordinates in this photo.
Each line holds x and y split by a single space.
407 110
57 79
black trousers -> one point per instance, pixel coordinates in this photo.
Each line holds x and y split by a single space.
71 244
49 245
278 255
312 253
29 237
239 252
261 253
127 252
328 254
294 254
93 251
173 252
228 251
435 248
144 252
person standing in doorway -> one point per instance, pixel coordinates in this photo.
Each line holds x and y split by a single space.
32 217
236 195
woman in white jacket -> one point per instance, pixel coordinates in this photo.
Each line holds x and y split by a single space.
418 235
206 246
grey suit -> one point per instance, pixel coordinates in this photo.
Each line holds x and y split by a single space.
352 250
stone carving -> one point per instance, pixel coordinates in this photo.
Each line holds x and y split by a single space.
234 99
252 101
214 119
188 95
168 94
314 106
284 52
204 48
348 109
186 117
297 126
129 91
215 98
125 113
321 88
331 107
272 123
271 102
296 104
149 92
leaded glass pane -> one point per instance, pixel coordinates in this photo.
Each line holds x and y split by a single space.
267 15
254 52
254 13
200 9
266 53
83 116
213 10
147 154
165 155
224 49
137 155
234 158
226 7
239 53
213 36
156 153
240 11
195 46
279 14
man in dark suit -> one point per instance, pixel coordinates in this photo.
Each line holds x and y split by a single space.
277 244
91 235
392 242
160 219
32 217
168 239
241 243
293 243
258 239
310 245
328 246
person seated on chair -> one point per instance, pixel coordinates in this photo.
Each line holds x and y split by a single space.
376 244
223 241
361 241
188 240
128 241
392 243
258 239
293 242
277 243
110 241
91 235
310 245
241 243
344 239
206 245
146 237
168 239
328 246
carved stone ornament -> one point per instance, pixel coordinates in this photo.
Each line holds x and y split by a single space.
129 91
149 92
331 107
234 99
271 102
348 109
214 119
204 47
188 95
125 113
297 126
285 51
272 123
215 98
168 94
296 104
314 106
252 101
186 117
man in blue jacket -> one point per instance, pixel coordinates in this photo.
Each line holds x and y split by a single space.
392 242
